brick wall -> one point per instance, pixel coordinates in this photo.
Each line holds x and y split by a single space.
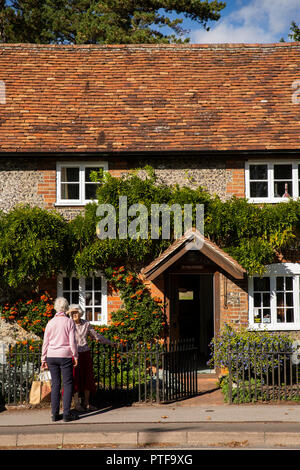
235 178
233 301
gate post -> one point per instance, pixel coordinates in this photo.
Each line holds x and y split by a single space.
229 376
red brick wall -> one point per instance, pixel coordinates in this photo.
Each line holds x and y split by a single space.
235 178
233 301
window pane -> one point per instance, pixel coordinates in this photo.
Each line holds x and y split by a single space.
289 283
266 300
67 296
283 187
69 191
97 283
257 315
69 174
289 300
262 284
257 300
75 283
279 284
280 315
89 314
266 315
97 298
88 171
258 189
282 172
290 315
89 283
75 298
88 298
280 299
97 314
90 191
66 283
258 172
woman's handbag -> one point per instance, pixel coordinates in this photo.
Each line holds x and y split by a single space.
41 388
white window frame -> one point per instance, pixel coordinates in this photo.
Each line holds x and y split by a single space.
273 271
270 164
104 318
82 166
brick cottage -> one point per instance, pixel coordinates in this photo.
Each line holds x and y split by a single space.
226 117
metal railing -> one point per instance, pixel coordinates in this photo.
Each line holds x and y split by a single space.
136 373
258 374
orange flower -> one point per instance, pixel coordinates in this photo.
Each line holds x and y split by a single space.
139 292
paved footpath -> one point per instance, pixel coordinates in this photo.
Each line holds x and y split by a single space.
141 426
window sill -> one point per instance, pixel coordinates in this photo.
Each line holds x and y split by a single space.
72 204
274 200
277 327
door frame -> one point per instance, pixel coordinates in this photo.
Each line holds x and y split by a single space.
216 301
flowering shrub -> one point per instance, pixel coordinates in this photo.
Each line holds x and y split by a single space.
32 315
246 349
142 319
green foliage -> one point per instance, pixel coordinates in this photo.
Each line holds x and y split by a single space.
34 243
32 314
252 234
105 22
91 253
249 393
142 318
255 235
238 348
295 32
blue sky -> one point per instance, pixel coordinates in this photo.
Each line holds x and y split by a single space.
249 21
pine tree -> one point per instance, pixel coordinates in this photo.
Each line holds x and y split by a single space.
102 22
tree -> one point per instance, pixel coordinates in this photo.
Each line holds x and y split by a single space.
295 32
105 22
34 243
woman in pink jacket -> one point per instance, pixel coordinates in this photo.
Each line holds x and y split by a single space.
59 354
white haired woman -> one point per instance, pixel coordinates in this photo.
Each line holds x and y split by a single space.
84 382
59 354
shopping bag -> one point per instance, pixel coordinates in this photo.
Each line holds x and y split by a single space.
40 391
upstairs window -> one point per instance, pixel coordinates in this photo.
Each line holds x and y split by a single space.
272 181
74 184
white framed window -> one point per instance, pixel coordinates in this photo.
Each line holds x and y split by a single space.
274 298
73 182
89 292
272 181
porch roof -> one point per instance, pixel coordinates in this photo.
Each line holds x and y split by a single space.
193 240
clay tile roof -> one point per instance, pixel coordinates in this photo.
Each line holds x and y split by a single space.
189 97
193 239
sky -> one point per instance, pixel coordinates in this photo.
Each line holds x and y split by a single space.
249 21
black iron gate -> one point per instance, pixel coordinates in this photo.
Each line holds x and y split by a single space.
179 371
